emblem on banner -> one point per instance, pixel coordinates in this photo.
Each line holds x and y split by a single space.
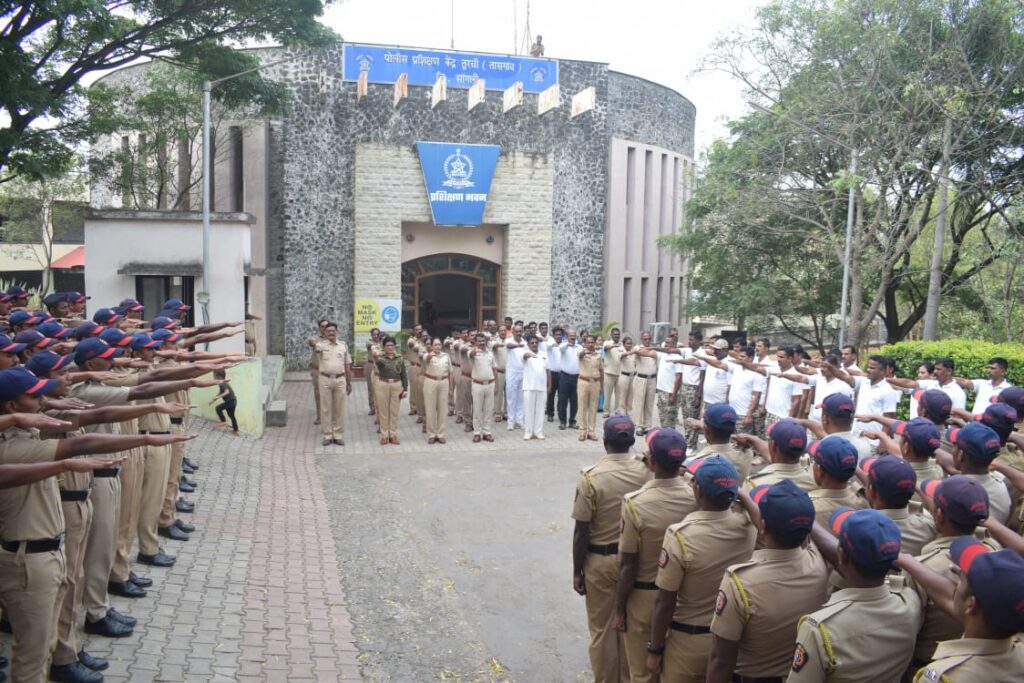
458 169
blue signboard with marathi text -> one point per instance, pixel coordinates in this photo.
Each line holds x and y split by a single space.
461 69
458 179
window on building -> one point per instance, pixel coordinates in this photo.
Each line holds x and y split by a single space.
237 175
153 290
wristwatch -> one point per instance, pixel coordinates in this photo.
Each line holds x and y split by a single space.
660 650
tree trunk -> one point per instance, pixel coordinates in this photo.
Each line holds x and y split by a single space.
931 315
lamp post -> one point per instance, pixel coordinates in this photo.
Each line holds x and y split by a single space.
850 211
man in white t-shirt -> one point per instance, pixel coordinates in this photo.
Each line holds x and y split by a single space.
784 394
716 380
536 382
670 378
514 378
764 357
944 380
690 390
745 387
875 396
550 347
825 383
848 358
985 389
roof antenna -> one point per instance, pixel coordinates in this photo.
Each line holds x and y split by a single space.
453 24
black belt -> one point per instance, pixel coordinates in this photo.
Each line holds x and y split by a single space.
74 496
177 420
736 678
610 549
145 432
106 473
570 374
646 376
47 545
645 585
690 628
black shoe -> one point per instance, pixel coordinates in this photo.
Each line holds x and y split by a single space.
185 487
551 418
561 425
184 526
5 624
140 581
3 662
74 673
126 589
183 505
172 532
573 425
187 470
186 461
107 627
161 559
90 662
123 618
185 480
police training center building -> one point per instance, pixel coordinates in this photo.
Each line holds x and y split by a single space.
446 188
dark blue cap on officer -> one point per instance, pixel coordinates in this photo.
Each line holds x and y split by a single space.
668 447
979 442
54 330
893 478
721 417
45 362
7 345
871 539
91 348
115 337
33 339
17 381
1001 417
937 404
717 477
835 455
838 405
619 431
789 436
963 499
921 433
23 317
997 580
786 509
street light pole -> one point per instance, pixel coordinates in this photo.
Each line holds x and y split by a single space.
846 255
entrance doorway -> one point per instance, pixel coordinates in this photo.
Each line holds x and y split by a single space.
445 291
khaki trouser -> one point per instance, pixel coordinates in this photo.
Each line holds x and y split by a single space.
587 392
388 403
435 400
464 399
416 388
131 500
686 657
102 543
607 645
643 401
333 399
687 398
77 521
668 410
314 374
499 392
370 375
611 393
624 394
483 407
154 486
31 589
638 631
168 511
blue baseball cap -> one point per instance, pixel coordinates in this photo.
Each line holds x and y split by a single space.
22 317
88 329
786 509
979 442
668 447
115 337
9 346
789 436
937 405
1001 417
77 298
996 578
921 433
893 478
53 299
165 335
721 417
1013 397
105 316
620 431
175 305
871 539
835 455
33 339
91 348
45 362
131 305
54 330
838 405
963 499
141 340
16 292
162 321
19 380
716 476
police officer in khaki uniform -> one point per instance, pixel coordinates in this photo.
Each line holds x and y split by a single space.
976 446
392 387
371 378
694 556
500 362
437 379
864 632
589 387
889 486
314 360
760 602
986 599
481 376
597 510
834 462
646 514
918 441
783 451
612 370
645 382
412 356
718 426
335 370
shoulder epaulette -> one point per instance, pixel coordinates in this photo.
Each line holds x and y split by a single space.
936 671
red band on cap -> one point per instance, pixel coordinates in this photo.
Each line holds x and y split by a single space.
36 387
756 495
969 554
899 427
837 522
107 353
929 487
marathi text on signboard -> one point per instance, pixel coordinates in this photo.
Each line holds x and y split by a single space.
384 314
462 69
458 179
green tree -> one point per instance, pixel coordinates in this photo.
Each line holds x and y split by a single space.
48 48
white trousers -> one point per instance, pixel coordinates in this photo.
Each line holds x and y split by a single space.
514 396
534 424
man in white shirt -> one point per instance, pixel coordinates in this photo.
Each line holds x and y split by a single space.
690 390
848 357
536 382
825 383
716 380
784 395
985 389
944 380
764 357
514 379
875 396
670 378
569 360
550 347
745 387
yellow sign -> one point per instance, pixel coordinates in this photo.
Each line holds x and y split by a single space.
384 314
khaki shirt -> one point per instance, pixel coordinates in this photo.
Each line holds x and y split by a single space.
646 514
826 501
861 634
463 349
998 496
31 512
613 358
599 492
332 357
102 395
646 365
916 530
314 361
627 364
694 556
440 366
741 458
775 472
500 354
68 481
967 660
591 365
482 366
761 601
925 471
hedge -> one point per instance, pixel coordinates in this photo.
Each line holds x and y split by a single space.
969 356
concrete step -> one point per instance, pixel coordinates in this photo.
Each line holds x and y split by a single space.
277 413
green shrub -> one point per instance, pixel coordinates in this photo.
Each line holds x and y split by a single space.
969 356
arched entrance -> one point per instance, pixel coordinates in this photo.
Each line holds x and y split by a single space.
445 291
